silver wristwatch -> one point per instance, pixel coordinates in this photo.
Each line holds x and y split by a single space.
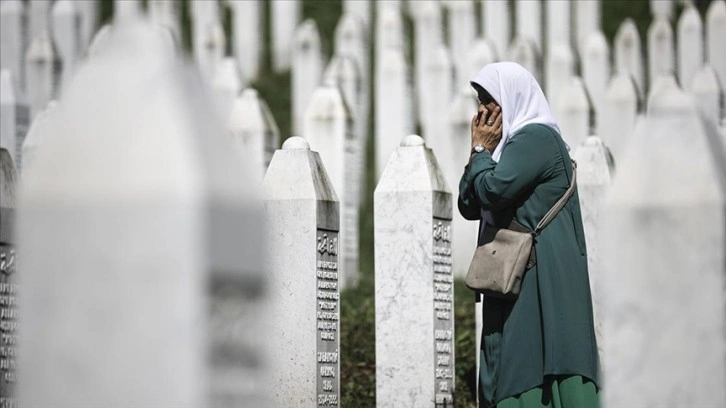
478 149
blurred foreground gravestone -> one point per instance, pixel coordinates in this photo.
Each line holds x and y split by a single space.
8 281
414 286
145 264
254 130
664 250
304 219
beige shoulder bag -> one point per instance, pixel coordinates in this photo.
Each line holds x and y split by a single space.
506 253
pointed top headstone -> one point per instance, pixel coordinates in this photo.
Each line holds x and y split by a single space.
661 53
226 84
662 8
524 52
12 17
707 91
690 45
716 38
482 52
620 109
254 130
628 56
596 68
574 112
496 17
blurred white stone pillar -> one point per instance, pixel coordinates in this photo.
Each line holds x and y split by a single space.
88 12
167 14
665 253
707 91
690 45
558 23
496 16
14 116
620 111
205 16
465 232
254 131
329 130
42 69
482 52
574 113
524 52
529 22
360 8
67 36
13 29
285 18
153 228
428 35
214 50
247 36
126 9
389 30
414 326
304 219
38 18
595 60
226 86
716 39
560 69
628 55
307 70
661 52
662 9
587 21
436 128
394 114
462 34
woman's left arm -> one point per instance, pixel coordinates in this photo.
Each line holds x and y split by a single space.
489 185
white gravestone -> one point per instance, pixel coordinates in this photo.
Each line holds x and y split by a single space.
42 68
628 55
413 283
286 16
595 167
462 34
307 70
482 52
393 109
226 86
351 42
574 113
343 72
465 232
214 49
595 62
126 9
524 52
560 69
14 116
428 35
716 38
67 35
360 8
707 91
496 17
690 45
247 36
664 249
254 130
166 14
38 18
662 8
436 123
587 21
41 129
389 31
529 22
99 41
204 14
558 23
145 278
620 110
329 129
12 38
8 281
661 53
303 214
88 10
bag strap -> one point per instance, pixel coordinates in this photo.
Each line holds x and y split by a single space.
559 204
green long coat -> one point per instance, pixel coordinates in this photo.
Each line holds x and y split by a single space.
549 329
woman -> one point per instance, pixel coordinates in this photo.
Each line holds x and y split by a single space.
538 350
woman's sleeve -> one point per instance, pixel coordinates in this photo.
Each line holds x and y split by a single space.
489 185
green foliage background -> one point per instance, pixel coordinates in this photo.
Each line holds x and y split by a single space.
357 304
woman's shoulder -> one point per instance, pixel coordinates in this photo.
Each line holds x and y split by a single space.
538 130
536 136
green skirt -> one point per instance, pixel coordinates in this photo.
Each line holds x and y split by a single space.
558 392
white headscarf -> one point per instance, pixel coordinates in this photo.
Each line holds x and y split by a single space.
522 102
520 97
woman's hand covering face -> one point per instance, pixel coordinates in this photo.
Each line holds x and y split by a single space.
486 129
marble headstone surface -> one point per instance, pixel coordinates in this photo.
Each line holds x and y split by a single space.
413 281
690 45
307 70
8 282
286 16
304 320
664 247
12 46
14 115
628 55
